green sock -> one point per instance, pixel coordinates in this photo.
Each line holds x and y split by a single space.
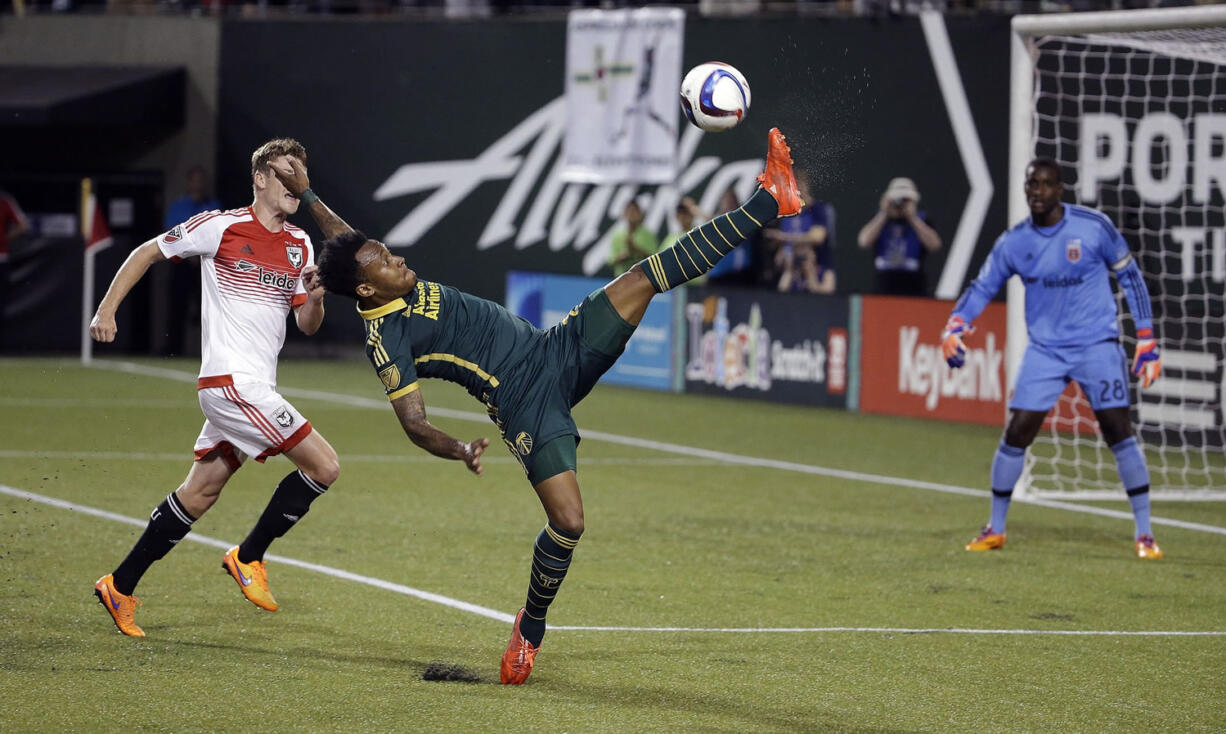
697 251
551 556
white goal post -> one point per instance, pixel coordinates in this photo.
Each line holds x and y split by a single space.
1132 104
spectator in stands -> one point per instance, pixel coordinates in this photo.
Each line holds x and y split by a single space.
805 242
184 307
13 224
631 243
197 199
901 237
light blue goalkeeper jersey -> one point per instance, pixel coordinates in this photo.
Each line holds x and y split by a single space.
1069 302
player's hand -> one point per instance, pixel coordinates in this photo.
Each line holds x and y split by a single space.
910 208
472 454
293 175
313 285
102 328
952 347
1146 363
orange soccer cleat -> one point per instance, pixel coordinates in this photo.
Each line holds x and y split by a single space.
119 605
986 540
517 660
777 178
252 579
1147 547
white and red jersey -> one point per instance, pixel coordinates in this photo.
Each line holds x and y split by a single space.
250 280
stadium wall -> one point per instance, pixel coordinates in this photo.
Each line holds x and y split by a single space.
193 43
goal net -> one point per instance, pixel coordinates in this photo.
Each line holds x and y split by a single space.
1131 105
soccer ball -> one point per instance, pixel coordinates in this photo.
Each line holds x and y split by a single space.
714 96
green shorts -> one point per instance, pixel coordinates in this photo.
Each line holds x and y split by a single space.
576 353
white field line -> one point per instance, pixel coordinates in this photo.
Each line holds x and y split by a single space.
83 402
224 545
508 618
185 457
903 631
691 451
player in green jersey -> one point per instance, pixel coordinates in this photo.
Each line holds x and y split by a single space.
528 378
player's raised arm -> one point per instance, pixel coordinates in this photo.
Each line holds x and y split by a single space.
102 328
411 410
297 182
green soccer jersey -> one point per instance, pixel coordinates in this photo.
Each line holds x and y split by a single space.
438 331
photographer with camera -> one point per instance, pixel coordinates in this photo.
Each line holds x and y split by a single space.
901 237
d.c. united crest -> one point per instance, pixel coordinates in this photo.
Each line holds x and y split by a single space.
284 418
1072 250
295 256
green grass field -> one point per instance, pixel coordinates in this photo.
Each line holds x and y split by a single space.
807 601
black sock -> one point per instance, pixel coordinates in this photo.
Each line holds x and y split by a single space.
698 250
168 523
289 503
551 556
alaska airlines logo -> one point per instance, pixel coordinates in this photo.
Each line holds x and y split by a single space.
538 206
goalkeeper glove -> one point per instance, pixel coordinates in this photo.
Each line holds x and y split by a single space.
952 347
1146 363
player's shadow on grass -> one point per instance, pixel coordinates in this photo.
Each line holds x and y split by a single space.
434 670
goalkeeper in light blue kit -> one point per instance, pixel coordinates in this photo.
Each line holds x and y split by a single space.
1063 253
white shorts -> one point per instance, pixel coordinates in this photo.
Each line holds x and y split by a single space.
246 419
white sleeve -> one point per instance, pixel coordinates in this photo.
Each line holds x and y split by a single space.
200 235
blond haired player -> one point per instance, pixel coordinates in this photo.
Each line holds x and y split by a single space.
256 269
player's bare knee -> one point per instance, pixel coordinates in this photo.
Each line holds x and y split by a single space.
198 496
570 522
1017 438
328 472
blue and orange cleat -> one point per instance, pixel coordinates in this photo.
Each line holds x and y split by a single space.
1147 547
986 540
121 606
778 178
517 660
252 579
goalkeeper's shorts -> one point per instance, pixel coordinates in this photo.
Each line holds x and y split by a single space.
1101 369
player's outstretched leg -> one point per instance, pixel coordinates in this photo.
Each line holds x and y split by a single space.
696 252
